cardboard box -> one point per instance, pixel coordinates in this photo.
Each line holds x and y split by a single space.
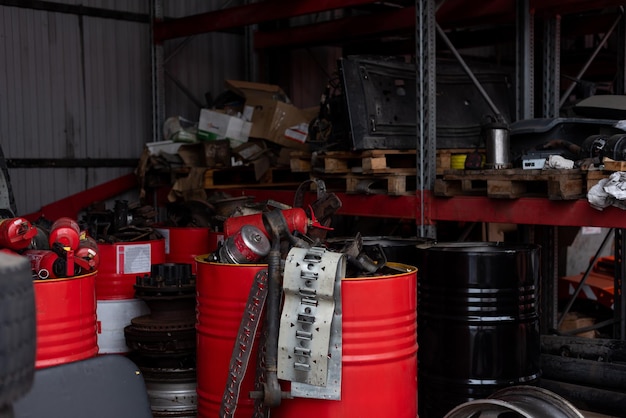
273 118
215 125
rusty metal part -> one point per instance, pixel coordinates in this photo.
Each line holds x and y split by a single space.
322 209
363 260
169 329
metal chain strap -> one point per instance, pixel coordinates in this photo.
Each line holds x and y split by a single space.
243 344
260 409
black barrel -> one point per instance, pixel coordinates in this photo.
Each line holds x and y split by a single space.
478 327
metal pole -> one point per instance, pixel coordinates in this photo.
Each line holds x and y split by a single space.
425 65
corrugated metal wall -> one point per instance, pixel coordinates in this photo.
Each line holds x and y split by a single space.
77 86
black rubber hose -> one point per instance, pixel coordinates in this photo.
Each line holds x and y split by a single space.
272 391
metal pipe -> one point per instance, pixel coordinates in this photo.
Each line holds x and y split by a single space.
589 61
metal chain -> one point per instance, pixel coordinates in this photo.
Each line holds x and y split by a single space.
260 409
243 344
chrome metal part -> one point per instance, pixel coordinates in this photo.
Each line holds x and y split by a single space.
310 332
497 145
172 392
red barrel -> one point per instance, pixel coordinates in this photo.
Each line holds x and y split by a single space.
122 262
66 320
183 244
379 360
222 291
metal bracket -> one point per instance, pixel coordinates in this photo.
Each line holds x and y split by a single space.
309 339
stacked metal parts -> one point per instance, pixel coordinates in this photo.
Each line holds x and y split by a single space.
163 342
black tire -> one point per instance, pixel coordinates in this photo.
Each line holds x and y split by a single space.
17 330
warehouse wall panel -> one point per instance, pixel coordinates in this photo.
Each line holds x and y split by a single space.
76 85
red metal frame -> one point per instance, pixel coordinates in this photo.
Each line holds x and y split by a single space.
452 14
236 17
72 205
529 211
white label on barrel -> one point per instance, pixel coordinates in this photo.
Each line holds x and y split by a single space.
133 259
166 235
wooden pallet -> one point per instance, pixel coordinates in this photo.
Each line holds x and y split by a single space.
370 161
445 155
234 177
389 184
512 183
594 176
363 162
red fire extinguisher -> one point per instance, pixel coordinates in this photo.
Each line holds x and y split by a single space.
16 233
48 264
87 252
296 221
66 232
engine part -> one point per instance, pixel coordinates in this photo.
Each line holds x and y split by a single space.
594 146
169 329
248 245
616 147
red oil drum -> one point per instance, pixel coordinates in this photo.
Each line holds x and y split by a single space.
222 291
121 263
183 244
66 320
379 360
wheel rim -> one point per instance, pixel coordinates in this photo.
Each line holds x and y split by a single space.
516 402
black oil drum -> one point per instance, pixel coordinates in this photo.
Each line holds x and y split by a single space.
478 326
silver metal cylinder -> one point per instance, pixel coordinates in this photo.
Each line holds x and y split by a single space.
497 146
246 246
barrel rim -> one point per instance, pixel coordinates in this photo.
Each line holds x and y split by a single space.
475 246
410 270
61 279
202 259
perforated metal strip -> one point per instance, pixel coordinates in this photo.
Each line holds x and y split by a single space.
307 318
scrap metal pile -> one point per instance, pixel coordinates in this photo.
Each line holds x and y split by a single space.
299 288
